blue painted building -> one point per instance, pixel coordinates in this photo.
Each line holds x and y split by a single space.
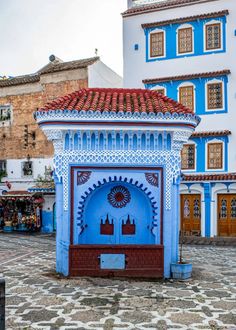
186 50
117 175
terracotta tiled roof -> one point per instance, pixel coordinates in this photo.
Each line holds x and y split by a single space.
209 177
187 76
106 99
211 133
62 66
19 80
186 19
49 68
137 10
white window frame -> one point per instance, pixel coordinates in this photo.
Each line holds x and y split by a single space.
195 159
204 36
184 26
206 156
188 84
149 44
214 81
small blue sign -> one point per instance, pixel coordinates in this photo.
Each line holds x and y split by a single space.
112 261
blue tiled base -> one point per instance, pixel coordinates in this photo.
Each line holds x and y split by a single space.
181 271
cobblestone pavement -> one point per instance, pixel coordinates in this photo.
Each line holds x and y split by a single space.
39 299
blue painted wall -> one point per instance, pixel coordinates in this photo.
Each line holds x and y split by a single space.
47 222
198 39
200 92
207 199
201 152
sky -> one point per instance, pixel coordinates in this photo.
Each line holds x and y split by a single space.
32 30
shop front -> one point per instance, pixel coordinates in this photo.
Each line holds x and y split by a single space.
20 211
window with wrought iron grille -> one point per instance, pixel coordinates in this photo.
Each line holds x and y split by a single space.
27 168
185 40
215 155
157 44
5 112
186 96
213 36
215 96
188 157
160 90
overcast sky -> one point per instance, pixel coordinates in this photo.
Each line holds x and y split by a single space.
31 30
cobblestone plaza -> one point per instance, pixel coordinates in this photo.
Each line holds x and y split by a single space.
37 298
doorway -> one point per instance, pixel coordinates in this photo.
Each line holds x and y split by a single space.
191 214
227 215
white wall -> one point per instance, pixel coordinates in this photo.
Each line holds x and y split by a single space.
101 76
136 69
14 172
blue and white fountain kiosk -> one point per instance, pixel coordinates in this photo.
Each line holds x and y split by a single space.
117 170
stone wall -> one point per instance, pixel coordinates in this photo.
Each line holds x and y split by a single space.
25 99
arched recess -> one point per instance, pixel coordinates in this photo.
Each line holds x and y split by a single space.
99 206
101 141
168 142
126 142
85 142
93 141
76 141
67 141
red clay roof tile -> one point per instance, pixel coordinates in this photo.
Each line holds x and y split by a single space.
186 19
106 99
137 10
211 133
209 177
187 76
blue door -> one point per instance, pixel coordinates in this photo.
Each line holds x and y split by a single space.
117 213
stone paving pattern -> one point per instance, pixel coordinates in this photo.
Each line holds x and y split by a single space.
38 298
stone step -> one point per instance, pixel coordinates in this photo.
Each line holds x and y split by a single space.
218 241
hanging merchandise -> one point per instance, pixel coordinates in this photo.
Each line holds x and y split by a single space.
20 213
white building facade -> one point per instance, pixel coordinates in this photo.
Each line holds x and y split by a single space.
186 49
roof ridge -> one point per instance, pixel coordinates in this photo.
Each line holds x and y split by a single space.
61 66
187 76
116 99
137 10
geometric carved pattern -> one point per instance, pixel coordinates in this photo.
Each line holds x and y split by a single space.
152 179
119 196
170 159
83 177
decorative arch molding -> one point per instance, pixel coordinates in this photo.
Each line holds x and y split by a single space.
170 159
190 191
225 190
119 180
